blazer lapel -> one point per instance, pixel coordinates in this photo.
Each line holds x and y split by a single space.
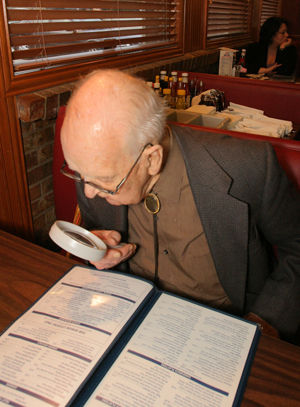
224 218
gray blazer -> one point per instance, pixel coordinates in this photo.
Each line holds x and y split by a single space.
246 204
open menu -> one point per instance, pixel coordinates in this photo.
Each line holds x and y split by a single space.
103 338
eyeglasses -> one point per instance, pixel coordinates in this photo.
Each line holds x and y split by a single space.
78 178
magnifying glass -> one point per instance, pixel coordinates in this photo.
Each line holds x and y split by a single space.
78 241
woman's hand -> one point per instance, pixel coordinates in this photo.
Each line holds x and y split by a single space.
286 43
270 69
113 256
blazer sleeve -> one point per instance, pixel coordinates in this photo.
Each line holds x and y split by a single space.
255 58
288 60
279 220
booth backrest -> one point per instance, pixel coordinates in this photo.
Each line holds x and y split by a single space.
64 190
277 99
65 199
287 151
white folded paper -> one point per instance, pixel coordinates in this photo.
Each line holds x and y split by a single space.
254 121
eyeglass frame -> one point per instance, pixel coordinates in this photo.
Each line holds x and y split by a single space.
91 184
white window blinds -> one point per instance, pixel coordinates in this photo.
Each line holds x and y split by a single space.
49 33
228 19
269 8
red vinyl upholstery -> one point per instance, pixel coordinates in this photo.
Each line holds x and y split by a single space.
64 189
288 153
277 99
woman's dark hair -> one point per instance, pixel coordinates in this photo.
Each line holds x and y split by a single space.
270 28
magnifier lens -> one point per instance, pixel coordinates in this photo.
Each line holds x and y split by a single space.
80 238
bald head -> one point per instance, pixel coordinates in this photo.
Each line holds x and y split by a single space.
110 120
111 111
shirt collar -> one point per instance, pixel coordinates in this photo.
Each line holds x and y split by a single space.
169 183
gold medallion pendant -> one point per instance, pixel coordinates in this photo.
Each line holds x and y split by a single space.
152 203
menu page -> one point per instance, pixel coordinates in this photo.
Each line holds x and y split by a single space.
182 355
48 352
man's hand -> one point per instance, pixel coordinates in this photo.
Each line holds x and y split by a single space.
113 256
266 328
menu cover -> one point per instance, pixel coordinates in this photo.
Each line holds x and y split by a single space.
103 338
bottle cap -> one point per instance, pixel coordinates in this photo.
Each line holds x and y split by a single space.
185 74
167 91
163 72
181 92
174 73
166 78
156 85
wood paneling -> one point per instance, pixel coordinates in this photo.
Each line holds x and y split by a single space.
15 211
291 13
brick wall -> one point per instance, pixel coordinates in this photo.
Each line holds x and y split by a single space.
37 114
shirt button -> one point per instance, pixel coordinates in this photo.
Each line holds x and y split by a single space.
166 252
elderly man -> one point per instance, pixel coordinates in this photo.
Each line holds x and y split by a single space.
198 211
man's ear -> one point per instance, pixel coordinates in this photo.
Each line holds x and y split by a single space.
155 159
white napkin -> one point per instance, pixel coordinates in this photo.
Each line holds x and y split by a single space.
254 121
252 126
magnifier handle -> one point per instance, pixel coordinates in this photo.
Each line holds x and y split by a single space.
115 247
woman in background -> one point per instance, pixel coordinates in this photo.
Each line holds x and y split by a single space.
274 52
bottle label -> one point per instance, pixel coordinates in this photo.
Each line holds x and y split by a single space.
188 101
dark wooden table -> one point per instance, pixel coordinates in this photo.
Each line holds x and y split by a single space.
27 270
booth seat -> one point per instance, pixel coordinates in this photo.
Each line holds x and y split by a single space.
287 151
64 190
65 200
279 100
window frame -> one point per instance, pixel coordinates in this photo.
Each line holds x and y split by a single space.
28 82
267 13
237 39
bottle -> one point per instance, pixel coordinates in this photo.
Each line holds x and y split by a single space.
196 86
167 97
165 82
180 104
162 78
173 93
201 87
149 84
242 60
186 87
175 82
179 85
156 87
192 89
233 70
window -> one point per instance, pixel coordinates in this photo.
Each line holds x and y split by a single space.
51 33
269 8
228 20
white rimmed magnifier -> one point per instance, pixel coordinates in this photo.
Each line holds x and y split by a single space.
78 241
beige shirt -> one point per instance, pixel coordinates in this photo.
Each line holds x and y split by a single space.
185 265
